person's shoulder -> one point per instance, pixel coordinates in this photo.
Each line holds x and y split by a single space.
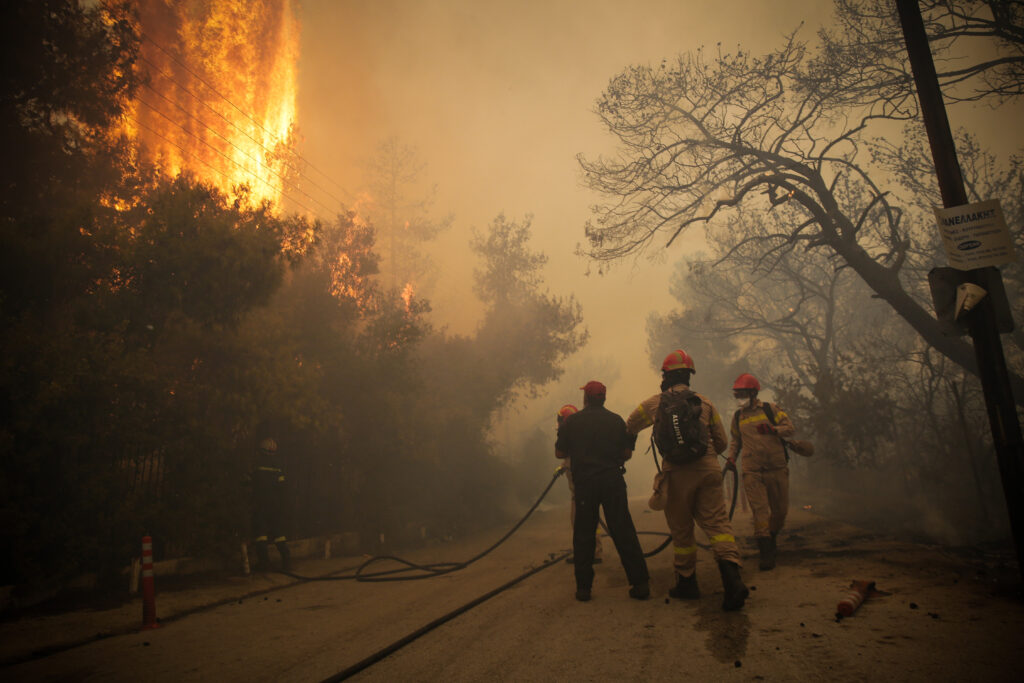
612 414
705 399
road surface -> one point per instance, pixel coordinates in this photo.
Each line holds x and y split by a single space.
952 615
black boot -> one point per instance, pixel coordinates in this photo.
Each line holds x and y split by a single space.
766 545
735 591
640 591
685 588
286 555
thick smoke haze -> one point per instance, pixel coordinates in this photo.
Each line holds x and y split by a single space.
498 99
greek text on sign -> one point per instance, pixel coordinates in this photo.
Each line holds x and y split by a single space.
975 235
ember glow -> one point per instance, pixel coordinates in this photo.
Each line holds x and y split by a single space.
220 100
407 294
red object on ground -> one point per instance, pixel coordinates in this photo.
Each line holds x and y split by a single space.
148 590
859 591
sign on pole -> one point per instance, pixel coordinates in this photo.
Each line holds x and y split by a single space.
975 235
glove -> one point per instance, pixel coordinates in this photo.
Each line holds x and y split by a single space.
765 428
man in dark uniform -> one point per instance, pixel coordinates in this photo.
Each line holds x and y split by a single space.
268 486
597 444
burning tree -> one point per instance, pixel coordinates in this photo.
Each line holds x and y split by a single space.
218 95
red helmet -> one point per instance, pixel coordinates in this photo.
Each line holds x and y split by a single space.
677 360
746 381
567 410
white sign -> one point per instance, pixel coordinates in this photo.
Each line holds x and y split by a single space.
975 235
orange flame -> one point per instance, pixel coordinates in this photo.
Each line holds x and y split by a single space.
220 100
407 294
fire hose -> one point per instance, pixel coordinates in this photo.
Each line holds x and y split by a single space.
729 467
437 569
440 568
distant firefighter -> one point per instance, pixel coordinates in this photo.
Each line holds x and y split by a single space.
564 412
757 432
268 518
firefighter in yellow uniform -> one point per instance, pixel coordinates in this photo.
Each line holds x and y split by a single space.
564 412
757 431
695 492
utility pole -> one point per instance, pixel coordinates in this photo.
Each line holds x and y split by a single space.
988 347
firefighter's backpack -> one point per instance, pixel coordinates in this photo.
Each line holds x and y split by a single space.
678 432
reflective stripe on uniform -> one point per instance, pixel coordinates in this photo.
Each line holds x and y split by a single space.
714 418
759 417
279 539
688 550
260 538
281 478
643 413
268 469
722 538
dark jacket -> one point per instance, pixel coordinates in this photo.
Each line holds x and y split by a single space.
595 441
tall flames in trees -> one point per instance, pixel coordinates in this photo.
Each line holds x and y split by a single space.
220 95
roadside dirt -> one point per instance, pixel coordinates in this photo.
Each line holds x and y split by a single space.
952 614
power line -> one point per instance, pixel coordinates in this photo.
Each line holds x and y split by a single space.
222 137
227 121
203 161
239 109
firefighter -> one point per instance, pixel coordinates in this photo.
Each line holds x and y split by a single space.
757 431
564 412
695 492
596 444
268 485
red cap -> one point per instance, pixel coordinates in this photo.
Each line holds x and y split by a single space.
593 388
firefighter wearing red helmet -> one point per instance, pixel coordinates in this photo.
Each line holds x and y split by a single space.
758 428
564 412
694 487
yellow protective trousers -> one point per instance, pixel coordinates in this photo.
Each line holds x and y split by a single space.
695 496
768 494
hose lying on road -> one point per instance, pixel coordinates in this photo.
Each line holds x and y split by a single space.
440 568
402 642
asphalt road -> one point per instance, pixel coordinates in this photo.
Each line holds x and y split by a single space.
950 615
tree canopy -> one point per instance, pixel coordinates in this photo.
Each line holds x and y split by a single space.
703 135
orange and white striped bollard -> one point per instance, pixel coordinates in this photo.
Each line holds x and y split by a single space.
859 591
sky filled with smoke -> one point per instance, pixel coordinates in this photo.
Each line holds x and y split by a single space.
498 98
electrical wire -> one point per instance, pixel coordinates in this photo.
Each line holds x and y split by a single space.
284 181
229 159
231 123
144 36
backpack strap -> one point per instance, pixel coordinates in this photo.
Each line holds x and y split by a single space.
769 412
739 434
